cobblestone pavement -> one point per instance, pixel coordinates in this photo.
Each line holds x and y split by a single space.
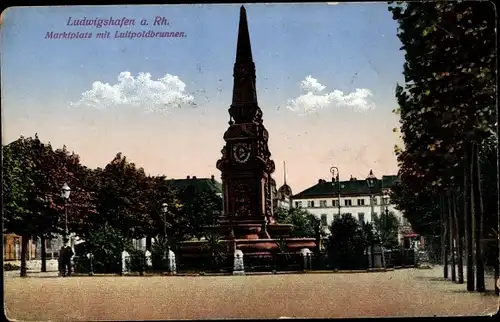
406 292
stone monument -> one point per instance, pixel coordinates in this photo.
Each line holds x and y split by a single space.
247 222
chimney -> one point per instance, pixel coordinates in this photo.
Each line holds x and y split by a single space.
352 179
194 177
188 177
212 177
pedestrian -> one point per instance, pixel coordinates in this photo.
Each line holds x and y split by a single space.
67 255
60 266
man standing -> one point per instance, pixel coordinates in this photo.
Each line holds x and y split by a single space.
66 255
60 261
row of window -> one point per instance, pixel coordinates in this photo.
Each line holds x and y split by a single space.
361 217
335 203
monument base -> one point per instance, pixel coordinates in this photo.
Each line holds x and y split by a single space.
250 247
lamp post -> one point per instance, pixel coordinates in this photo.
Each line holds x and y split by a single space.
65 192
335 173
370 181
164 210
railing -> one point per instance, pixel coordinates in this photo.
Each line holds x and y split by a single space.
138 263
399 258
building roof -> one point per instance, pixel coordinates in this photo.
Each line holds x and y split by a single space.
200 184
352 187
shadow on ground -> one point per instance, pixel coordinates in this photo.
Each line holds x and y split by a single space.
431 279
463 291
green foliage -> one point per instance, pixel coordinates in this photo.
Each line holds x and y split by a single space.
107 243
121 196
33 176
421 208
387 225
136 261
199 209
347 242
448 99
346 236
10 267
304 223
159 255
216 248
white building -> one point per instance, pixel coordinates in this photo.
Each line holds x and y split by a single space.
322 200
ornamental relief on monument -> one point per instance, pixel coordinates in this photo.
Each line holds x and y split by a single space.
241 199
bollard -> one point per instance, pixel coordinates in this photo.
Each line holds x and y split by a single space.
90 257
238 266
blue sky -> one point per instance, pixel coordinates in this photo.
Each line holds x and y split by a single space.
343 47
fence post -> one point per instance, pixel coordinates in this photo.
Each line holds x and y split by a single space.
90 257
125 257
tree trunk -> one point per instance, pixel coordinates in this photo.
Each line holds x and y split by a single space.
43 240
451 236
148 242
478 219
468 219
497 212
24 255
444 233
458 238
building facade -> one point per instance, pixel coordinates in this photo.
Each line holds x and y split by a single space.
322 200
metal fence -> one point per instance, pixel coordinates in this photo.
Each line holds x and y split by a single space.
138 263
400 258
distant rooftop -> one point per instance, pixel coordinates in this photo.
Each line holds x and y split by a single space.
200 184
352 187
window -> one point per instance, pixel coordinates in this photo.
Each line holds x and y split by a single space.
361 202
310 203
335 202
298 204
375 201
322 203
324 220
361 218
348 202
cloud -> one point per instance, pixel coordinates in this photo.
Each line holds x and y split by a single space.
141 91
314 98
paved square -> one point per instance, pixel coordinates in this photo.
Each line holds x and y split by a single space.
408 292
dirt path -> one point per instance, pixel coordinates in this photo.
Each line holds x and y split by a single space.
407 292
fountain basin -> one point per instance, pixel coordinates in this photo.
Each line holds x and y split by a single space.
251 247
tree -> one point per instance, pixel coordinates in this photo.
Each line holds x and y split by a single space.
446 105
304 223
122 196
157 194
17 183
387 224
33 176
107 243
346 243
200 209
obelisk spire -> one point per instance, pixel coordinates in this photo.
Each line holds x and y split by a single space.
243 49
244 107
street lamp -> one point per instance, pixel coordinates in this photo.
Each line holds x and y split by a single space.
65 192
164 211
336 177
370 181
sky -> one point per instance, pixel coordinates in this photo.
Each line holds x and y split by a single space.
326 78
